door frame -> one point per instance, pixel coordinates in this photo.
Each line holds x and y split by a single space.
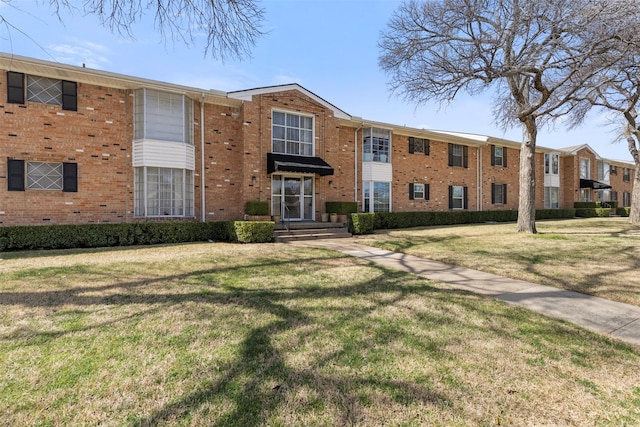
301 195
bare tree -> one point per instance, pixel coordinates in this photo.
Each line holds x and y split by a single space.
529 52
231 27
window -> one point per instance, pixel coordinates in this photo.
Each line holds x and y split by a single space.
376 197
419 145
498 156
585 169
614 170
42 176
626 199
292 134
418 191
551 164
458 155
457 197
15 88
375 145
163 116
41 89
626 174
551 197
498 194
614 196
585 195
163 192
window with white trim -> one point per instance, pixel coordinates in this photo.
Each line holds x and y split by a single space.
551 197
418 191
498 156
44 176
626 199
31 175
457 197
585 169
498 194
376 144
551 164
163 116
376 196
42 90
626 174
163 192
292 134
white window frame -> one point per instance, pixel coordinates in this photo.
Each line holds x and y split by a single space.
289 138
44 90
376 145
457 198
154 110
418 191
497 157
551 164
176 199
549 202
585 168
44 176
369 196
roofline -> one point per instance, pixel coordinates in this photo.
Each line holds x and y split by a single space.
248 94
82 74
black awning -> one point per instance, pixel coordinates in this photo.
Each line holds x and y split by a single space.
596 185
301 164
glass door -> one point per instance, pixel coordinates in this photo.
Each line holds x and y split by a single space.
292 197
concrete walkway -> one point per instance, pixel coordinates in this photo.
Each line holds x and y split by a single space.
618 320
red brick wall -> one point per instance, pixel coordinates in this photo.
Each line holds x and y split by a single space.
97 137
500 175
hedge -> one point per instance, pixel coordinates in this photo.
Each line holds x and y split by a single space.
131 234
593 212
257 207
595 205
341 208
361 222
623 211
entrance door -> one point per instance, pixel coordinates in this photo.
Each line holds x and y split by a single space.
292 197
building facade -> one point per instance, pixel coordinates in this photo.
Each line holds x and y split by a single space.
86 146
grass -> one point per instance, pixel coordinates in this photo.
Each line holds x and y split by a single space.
593 256
278 335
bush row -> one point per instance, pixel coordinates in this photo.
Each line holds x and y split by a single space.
594 205
593 212
623 211
341 208
131 234
364 223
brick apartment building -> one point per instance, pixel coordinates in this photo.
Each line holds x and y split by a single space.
88 146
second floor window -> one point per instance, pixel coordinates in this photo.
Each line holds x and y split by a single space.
458 155
585 169
551 164
498 156
375 145
626 174
292 134
163 116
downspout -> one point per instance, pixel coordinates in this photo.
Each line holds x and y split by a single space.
479 179
355 176
202 187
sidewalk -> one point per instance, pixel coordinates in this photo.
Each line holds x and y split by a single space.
616 319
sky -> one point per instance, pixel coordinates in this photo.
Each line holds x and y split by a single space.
330 47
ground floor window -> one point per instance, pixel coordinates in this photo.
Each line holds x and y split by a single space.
626 199
292 197
376 196
457 197
585 195
551 197
163 192
498 194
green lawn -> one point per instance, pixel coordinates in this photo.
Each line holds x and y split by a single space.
279 335
595 256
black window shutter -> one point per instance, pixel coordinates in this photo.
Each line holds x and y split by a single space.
70 177
450 197
466 198
493 194
504 193
410 191
493 156
15 87
69 95
411 145
504 157
427 147
15 173
450 154
465 156
426 192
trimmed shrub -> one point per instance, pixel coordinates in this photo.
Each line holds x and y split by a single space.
341 208
593 212
586 205
555 213
362 223
257 207
130 234
623 211
251 231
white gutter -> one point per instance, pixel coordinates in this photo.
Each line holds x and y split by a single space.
202 186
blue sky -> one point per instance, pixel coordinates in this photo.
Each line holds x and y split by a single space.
327 46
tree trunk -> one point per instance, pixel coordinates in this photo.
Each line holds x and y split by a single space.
527 199
634 215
